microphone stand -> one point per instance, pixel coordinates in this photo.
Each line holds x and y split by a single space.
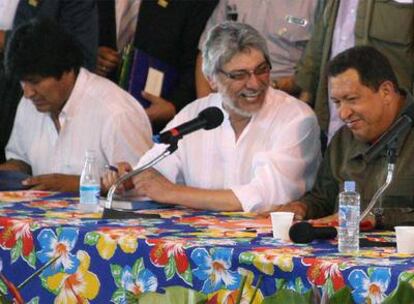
171 149
391 159
388 140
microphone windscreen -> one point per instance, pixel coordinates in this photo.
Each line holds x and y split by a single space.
301 232
213 117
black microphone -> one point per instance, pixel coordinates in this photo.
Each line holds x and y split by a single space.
303 232
404 122
207 119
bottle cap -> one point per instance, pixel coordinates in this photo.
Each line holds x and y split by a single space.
349 186
90 154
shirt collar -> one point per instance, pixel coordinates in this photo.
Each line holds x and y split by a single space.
358 147
73 103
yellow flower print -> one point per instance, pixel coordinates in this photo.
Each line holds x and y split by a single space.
79 287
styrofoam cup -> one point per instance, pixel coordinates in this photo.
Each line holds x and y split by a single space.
281 222
405 239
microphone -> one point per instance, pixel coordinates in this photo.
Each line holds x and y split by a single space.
303 232
207 119
404 122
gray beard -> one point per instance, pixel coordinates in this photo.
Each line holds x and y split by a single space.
229 105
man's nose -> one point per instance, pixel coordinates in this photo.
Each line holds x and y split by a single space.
344 111
253 81
28 89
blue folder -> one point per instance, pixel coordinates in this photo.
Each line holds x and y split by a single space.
139 73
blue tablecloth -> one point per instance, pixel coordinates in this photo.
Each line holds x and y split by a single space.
79 257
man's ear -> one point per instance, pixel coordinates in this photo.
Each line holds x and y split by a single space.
387 91
212 82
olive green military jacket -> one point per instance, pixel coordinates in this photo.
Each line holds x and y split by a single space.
344 160
384 24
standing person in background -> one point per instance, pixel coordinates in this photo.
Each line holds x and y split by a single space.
170 31
286 26
76 16
10 90
117 25
387 25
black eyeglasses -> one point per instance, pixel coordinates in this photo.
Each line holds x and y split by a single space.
244 75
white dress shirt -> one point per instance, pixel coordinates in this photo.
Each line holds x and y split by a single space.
7 12
126 16
98 115
274 160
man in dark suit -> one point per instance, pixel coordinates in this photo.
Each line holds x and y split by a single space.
77 17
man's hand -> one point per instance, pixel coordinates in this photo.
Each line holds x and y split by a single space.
53 182
154 185
368 223
286 83
330 220
297 207
305 96
160 110
110 177
16 165
107 61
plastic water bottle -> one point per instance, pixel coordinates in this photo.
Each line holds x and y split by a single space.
349 212
90 185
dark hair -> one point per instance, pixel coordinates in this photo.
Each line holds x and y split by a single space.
41 47
372 66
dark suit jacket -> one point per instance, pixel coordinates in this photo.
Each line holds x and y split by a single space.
78 17
107 29
107 23
171 34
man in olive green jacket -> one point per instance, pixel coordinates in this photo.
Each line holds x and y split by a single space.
384 24
368 100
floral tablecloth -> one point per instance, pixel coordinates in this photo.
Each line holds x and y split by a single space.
77 257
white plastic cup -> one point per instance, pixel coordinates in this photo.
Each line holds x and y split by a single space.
405 239
281 222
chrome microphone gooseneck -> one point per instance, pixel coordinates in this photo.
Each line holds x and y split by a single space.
391 159
389 140
209 118
171 149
